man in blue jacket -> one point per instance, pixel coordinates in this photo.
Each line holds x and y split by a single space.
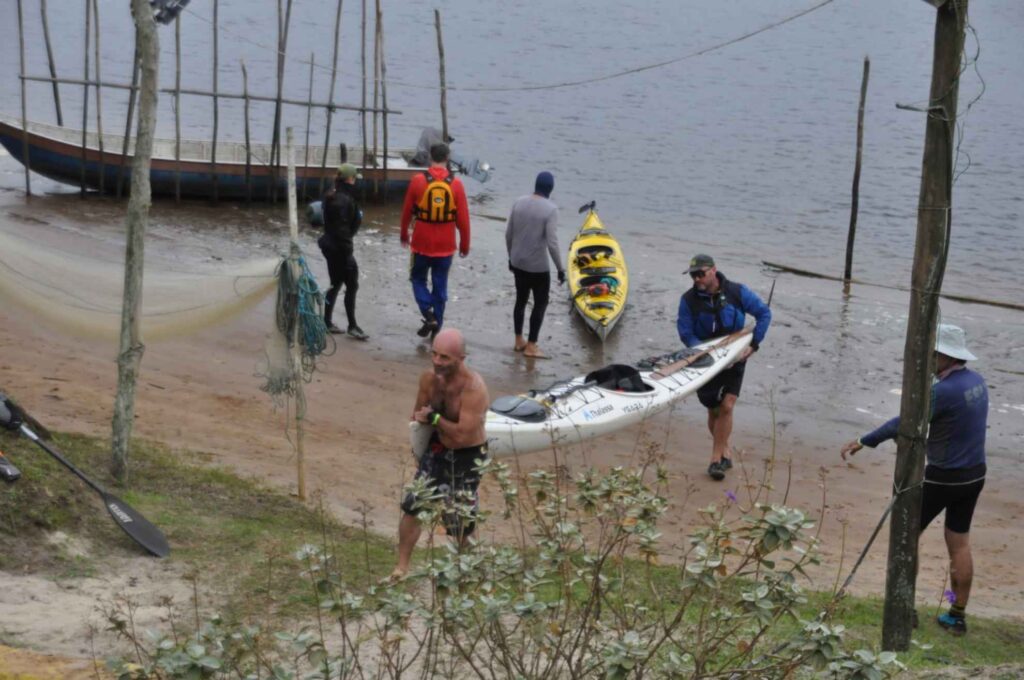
712 308
955 471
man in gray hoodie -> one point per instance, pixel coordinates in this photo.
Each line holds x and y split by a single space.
530 237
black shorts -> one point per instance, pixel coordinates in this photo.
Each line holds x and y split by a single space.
955 491
453 473
728 381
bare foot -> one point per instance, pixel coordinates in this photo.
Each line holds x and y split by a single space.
395 577
531 350
520 344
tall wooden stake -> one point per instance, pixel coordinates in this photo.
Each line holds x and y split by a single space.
132 94
99 93
848 271
444 87
383 95
376 79
282 49
309 116
933 231
293 262
49 60
330 99
248 146
131 350
177 108
216 109
24 104
85 92
362 61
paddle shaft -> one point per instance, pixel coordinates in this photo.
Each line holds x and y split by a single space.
666 371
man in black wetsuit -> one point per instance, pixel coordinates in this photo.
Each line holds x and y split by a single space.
342 218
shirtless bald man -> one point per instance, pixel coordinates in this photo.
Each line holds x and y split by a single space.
454 400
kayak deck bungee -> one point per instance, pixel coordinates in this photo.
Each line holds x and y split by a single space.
604 401
597 274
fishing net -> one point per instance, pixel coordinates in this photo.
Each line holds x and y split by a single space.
300 334
83 296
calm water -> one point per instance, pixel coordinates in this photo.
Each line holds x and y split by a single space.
746 152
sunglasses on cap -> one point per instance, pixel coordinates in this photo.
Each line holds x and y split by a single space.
699 274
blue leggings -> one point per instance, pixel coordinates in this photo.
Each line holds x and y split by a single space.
430 300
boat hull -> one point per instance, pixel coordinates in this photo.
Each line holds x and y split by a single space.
63 162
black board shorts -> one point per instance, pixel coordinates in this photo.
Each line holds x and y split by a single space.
956 491
728 381
453 473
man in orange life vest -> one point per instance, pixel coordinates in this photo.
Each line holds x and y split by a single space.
437 199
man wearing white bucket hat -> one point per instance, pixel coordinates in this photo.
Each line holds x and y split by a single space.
955 471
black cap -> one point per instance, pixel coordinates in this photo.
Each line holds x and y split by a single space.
699 262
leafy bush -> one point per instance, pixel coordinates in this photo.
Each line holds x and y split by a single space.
581 602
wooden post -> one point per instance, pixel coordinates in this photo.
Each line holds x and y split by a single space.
85 92
128 119
282 49
216 110
293 262
131 347
383 95
933 230
330 100
362 61
309 115
851 233
248 146
177 108
444 88
99 93
24 104
376 78
50 61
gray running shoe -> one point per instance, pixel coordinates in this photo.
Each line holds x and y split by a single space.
357 333
334 330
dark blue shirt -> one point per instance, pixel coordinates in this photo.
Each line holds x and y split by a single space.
956 434
721 314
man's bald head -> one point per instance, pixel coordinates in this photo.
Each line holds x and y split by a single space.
450 342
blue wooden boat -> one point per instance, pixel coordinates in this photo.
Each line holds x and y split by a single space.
56 152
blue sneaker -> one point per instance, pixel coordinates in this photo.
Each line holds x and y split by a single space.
954 624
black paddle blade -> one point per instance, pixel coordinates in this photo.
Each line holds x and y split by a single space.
136 526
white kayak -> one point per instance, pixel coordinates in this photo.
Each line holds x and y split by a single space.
601 402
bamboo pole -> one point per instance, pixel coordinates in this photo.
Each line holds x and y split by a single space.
309 115
930 251
293 262
133 90
376 79
282 50
330 99
855 202
384 96
362 61
99 93
177 108
24 106
216 109
85 93
131 347
49 60
248 146
205 93
444 87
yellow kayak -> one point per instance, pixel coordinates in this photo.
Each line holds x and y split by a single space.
598 280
